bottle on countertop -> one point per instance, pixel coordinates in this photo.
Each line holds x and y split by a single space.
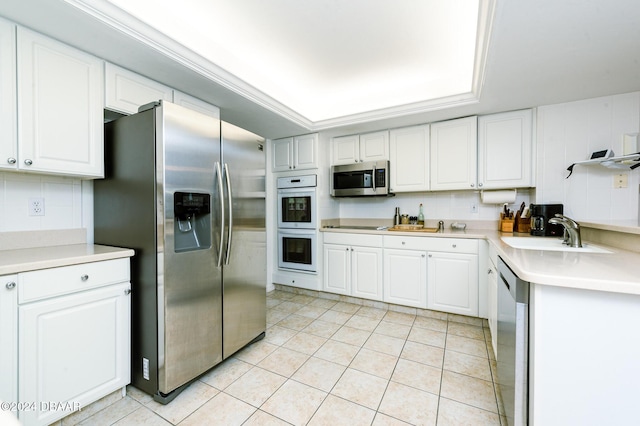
420 216
396 217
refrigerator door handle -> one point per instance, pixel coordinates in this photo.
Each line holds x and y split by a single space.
228 179
218 172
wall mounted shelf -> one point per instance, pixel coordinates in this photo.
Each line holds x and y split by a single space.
630 162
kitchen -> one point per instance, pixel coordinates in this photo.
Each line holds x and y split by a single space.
569 129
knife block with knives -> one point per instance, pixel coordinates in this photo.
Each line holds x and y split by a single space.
506 222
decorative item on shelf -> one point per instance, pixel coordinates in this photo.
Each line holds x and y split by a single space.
607 158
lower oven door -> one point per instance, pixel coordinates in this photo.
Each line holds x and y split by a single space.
297 250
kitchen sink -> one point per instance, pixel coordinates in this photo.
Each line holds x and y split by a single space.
550 244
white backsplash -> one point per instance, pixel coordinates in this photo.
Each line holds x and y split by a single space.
63 202
571 132
447 205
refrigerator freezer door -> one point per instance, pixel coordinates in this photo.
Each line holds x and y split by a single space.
244 273
189 283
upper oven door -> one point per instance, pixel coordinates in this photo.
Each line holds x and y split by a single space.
296 208
362 179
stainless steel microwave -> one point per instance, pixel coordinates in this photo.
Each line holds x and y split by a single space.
369 178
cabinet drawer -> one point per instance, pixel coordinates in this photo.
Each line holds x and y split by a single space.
453 245
363 240
44 283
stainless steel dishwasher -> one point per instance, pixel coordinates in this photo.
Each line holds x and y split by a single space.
513 345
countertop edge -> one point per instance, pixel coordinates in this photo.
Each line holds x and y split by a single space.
31 259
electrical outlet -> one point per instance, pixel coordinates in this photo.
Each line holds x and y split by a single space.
474 208
621 180
36 206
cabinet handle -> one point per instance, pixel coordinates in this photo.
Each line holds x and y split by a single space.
84 277
472 185
347 249
480 184
454 245
11 285
403 243
127 291
351 249
11 160
489 272
28 162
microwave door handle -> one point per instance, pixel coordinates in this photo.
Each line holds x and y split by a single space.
373 179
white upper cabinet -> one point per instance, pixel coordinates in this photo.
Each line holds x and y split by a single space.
60 108
195 104
8 97
409 159
505 150
454 154
360 148
126 91
296 153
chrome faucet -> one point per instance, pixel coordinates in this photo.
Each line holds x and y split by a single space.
571 230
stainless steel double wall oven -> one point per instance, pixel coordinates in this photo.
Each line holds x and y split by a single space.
297 223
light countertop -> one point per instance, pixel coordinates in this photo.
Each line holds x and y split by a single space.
613 272
29 259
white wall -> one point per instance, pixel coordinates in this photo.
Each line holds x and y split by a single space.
570 132
67 202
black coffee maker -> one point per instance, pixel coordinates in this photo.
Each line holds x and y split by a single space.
540 215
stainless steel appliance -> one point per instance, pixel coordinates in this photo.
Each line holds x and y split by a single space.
369 178
297 202
187 192
513 344
297 249
297 224
540 215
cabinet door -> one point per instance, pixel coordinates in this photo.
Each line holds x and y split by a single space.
366 272
405 277
305 151
126 91
60 106
9 338
337 268
453 283
8 97
505 150
74 348
345 150
409 156
454 154
282 154
195 104
374 146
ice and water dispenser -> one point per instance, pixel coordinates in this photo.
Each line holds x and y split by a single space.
192 221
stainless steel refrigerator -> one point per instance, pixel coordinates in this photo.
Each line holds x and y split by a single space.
187 192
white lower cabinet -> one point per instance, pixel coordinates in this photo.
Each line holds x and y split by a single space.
405 277
351 269
453 283
73 337
8 339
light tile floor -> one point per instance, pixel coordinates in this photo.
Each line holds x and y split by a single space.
330 362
